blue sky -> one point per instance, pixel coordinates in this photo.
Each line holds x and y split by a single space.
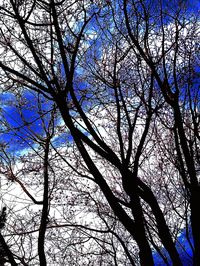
20 118
183 248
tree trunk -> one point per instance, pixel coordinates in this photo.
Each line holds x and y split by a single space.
43 223
195 223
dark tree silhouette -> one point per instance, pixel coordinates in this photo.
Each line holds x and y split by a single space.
121 79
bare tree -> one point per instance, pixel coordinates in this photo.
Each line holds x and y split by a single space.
121 75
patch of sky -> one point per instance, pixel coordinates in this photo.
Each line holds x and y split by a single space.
21 118
189 83
60 141
184 248
185 9
193 6
190 88
25 118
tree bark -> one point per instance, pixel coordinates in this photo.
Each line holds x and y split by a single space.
7 251
44 217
